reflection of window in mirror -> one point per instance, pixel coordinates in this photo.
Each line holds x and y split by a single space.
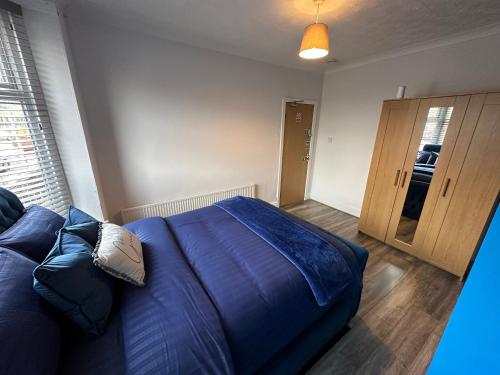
435 129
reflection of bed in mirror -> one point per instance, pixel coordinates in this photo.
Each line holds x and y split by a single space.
419 182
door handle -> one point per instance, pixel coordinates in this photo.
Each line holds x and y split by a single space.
398 172
403 179
307 157
446 185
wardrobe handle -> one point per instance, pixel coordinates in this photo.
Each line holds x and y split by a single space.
397 177
404 179
445 190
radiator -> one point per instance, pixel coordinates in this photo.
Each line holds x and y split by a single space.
183 205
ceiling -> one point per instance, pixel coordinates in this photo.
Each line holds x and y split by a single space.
270 30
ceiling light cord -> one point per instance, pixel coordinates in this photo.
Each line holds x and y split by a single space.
317 14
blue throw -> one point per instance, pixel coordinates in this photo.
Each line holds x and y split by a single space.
322 265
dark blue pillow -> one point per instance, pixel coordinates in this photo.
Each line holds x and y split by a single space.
69 281
11 209
82 224
29 328
433 158
34 233
423 157
76 216
87 231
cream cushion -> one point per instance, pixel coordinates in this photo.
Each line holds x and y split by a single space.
119 253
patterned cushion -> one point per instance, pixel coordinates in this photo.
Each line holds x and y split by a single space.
119 253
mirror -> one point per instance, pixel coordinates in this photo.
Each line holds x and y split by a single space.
432 139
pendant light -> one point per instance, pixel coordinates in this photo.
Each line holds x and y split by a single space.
315 43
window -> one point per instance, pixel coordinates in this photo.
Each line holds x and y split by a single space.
30 165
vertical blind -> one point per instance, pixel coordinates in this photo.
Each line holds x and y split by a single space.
436 126
30 165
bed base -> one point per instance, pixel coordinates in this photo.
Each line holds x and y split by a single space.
305 351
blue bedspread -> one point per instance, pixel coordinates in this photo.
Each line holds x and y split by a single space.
218 299
170 326
319 261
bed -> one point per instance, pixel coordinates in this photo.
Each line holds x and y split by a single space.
219 299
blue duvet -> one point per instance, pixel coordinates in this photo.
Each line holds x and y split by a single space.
170 326
219 299
319 261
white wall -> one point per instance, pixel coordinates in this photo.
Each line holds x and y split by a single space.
352 101
169 121
46 39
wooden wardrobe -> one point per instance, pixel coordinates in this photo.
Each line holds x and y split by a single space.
434 176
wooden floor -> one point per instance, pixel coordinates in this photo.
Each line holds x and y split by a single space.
404 307
406 229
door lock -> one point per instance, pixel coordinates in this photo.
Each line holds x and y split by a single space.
307 157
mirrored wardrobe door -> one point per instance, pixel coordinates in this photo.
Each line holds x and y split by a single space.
434 135
427 240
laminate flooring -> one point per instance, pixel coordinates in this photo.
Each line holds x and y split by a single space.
404 306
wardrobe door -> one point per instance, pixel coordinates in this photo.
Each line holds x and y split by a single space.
391 146
426 240
434 135
472 195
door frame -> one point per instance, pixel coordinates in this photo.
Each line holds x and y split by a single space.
312 146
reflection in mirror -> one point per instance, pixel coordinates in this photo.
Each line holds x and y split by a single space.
435 129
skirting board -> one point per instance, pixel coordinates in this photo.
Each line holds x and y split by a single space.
351 210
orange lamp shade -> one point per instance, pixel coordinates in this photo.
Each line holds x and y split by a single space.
315 42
